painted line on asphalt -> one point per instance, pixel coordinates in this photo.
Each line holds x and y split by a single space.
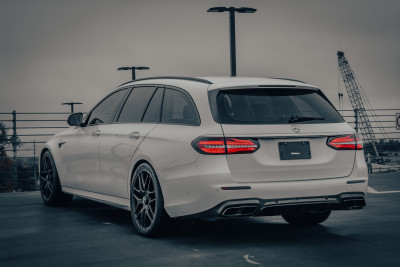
373 191
247 256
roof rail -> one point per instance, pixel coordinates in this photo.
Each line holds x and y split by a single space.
172 78
293 80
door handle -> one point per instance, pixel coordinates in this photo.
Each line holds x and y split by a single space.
134 135
96 133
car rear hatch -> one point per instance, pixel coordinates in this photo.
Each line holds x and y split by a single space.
292 128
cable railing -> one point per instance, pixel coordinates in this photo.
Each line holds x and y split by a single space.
19 160
19 164
384 129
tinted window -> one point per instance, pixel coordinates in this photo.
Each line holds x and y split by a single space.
153 111
104 112
136 104
275 106
178 109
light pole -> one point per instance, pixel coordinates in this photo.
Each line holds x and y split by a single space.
232 11
133 70
72 105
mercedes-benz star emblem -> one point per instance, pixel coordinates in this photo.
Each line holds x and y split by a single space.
295 128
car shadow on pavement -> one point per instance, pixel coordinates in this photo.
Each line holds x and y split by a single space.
220 232
253 230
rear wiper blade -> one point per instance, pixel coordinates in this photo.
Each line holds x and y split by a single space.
296 118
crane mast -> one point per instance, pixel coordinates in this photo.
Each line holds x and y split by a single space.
363 123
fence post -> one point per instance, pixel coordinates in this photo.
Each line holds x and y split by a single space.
14 144
34 161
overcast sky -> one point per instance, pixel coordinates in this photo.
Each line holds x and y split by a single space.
53 51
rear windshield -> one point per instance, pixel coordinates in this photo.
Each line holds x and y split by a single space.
275 106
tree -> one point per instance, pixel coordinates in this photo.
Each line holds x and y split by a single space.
6 163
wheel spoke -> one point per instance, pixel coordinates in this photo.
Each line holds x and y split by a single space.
50 188
47 190
142 217
140 181
151 211
44 166
148 182
137 190
136 197
144 180
48 164
138 210
149 216
43 175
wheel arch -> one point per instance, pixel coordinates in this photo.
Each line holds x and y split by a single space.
136 165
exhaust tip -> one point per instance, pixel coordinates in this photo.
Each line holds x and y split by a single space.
352 204
234 211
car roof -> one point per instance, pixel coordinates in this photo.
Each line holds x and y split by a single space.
220 82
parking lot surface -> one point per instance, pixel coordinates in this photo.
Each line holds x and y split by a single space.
87 233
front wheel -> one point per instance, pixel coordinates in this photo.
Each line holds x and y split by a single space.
306 218
50 187
147 203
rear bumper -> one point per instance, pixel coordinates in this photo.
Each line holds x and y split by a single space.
207 184
271 207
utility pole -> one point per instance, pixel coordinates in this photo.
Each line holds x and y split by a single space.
72 105
232 34
133 68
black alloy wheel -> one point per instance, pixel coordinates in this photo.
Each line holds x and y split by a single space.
147 203
50 187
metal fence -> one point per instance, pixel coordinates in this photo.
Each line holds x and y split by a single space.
19 164
386 132
19 160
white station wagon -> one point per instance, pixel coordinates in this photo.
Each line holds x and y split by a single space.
215 147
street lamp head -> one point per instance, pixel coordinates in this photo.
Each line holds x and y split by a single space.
124 68
239 10
246 10
218 9
142 68
72 103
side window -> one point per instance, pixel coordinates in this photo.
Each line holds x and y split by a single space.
104 112
153 111
136 104
178 108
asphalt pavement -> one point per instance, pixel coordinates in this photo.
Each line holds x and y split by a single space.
87 233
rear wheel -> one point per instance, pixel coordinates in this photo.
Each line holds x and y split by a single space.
306 218
50 187
147 203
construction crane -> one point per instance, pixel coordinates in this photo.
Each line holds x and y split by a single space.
362 121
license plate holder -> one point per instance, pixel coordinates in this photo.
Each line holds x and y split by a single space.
294 150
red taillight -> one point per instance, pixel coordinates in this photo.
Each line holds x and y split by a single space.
210 145
220 145
239 145
345 142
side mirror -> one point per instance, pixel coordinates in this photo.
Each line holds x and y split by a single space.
75 119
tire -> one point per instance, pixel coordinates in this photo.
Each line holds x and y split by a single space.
306 218
50 187
147 203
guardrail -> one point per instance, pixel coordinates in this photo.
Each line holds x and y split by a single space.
19 164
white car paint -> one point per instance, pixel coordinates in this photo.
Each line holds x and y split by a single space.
97 162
